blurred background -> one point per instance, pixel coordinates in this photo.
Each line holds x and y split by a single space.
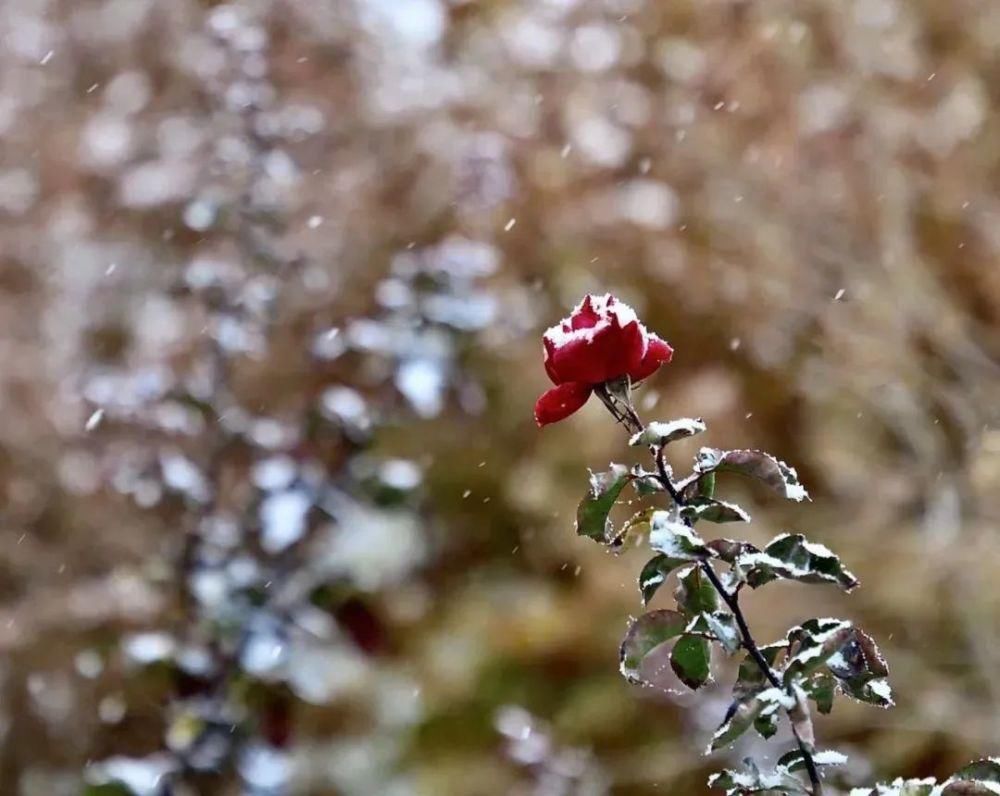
275 516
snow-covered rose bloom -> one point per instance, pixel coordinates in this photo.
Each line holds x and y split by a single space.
601 340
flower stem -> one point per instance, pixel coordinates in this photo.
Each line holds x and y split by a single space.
624 412
747 639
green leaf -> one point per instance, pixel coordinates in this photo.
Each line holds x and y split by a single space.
658 433
750 679
691 661
837 648
739 718
695 593
592 514
723 626
756 464
706 508
644 635
792 557
821 688
795 760
766 724
655 573
760 710
673 538
751 780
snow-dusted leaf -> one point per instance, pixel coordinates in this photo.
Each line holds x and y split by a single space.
751 780
795 761
592 513
756 464
723 627
729 550
792 557
747 711
655 573
694 593
837 648
672 537
986 770
662 433
691 661
706 508
644 482
644 635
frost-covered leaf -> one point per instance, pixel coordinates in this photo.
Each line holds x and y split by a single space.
729 550
747 711
655 573
756 464
741 716
660 433
644 635
691 661
837 648
592 513
673 538
791 557
723 626
751 780
694 593
645 482
795 761
706 508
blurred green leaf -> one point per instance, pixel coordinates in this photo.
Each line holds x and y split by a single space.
691 661
592 513
987 770
755 464
644 635
107 789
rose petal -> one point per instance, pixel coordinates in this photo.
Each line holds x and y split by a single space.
658 352
585 316
560 402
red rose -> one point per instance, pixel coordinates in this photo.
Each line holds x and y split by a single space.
601 340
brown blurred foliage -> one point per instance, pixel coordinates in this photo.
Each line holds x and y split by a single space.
800 196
